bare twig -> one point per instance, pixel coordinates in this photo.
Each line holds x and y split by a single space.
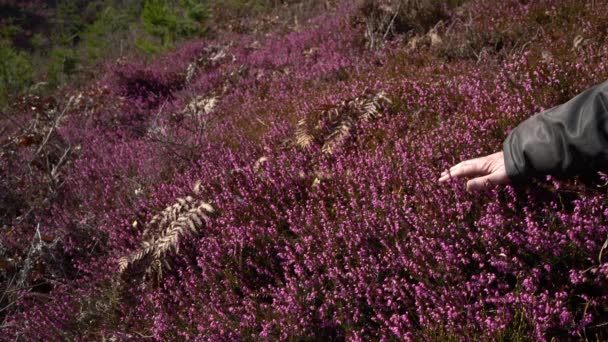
604 246
55 168
390 25
7 288
52 129
601 325
34 247
370 34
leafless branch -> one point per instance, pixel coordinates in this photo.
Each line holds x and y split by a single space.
392 22
52 129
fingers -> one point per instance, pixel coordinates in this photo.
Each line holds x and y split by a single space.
488 181
480 183
485 172
468 168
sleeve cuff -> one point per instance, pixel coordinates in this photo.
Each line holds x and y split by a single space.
515 173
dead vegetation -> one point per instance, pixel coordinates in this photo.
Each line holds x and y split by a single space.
210 57
200 105
263 16
30 142
385 19
332 125
164 232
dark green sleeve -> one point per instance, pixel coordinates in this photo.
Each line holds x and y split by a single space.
569 139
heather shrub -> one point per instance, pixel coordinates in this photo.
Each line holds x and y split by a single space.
138 82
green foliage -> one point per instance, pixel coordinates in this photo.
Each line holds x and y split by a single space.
63 63
38 42
10 31
69 22
77 34
168 21
100 37
196 11
147 47
245 4
15 73
224 9
160 21
193 23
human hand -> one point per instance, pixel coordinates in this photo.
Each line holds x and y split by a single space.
488 171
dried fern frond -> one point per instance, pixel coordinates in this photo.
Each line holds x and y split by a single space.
182 219
169 214
190 72
186 224
335 123
210 56
370 111
303 138
123 263
257 166
369 108
338 135
197 187
200 106
382 97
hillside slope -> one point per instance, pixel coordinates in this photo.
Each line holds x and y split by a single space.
283 187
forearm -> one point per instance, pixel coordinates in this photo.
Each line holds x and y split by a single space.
564 140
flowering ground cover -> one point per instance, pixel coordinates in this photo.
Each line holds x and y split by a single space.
283 186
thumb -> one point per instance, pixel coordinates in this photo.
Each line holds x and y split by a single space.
479 183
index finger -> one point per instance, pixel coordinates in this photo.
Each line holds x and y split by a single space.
467 168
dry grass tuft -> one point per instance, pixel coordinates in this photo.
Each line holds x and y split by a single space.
334 124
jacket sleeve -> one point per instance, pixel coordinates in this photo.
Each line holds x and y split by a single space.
569 139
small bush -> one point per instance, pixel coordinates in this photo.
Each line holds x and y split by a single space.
15 73
63 64
168 21
100 38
